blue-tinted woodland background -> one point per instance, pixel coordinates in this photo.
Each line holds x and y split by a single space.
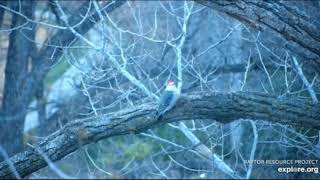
79 81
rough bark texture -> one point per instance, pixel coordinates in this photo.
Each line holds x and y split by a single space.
19 54
282 17
222 107
2 2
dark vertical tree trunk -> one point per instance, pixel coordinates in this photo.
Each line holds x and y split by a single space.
19 55
22 86
2 11
41 106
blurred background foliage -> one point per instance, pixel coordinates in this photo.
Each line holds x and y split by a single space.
152 63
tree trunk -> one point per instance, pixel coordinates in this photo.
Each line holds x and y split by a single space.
19 55
20 87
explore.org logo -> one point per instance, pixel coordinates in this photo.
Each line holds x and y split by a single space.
298 169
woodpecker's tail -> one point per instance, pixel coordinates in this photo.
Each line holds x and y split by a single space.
159 116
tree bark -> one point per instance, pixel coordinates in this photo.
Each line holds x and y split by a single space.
221 107
19 54
282 17
2 2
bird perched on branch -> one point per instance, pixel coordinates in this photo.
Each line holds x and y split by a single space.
168 99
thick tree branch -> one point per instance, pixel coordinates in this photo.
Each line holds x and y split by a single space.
71 108
223 107
281 17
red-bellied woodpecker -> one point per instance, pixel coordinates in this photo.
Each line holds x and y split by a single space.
168 98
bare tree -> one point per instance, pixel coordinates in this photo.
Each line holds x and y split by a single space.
241 81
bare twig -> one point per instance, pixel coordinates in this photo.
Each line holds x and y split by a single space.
304 80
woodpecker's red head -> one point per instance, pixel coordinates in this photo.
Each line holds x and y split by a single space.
171 86
170 83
